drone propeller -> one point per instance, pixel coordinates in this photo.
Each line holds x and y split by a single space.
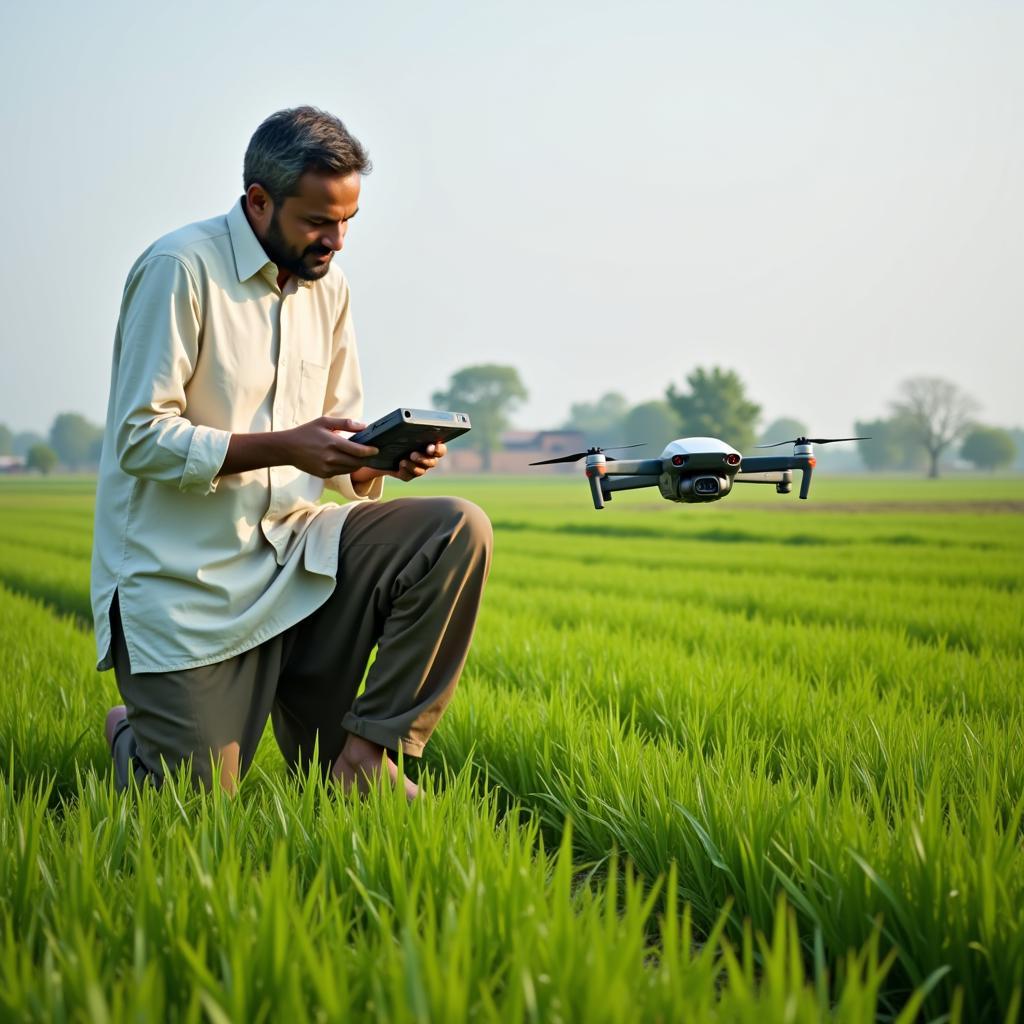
812 440
582 455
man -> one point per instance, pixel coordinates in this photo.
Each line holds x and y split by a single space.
222 591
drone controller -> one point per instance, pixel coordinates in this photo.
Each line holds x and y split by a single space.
698 469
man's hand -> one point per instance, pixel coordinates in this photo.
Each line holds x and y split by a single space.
318 449
408 469
314 447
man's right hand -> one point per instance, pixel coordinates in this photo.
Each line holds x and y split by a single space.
318 449
315 447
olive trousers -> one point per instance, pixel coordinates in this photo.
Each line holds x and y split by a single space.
411 574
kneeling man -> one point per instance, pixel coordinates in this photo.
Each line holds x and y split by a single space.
222 590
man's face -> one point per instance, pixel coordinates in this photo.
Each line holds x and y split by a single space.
303 232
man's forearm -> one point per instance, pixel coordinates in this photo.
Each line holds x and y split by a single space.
258 451
316 448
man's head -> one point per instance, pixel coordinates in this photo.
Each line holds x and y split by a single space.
302 175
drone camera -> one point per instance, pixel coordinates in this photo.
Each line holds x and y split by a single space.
706 487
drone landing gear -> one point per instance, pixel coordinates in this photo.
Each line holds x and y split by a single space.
640 473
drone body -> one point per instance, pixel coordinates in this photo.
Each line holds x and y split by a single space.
698 469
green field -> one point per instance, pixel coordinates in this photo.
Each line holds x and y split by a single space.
756 761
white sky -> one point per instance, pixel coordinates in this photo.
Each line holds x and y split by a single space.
825 197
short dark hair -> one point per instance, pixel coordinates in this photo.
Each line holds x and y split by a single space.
294 141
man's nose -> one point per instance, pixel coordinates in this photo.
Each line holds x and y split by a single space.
334 238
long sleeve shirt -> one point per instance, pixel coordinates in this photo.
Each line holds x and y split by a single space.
207 344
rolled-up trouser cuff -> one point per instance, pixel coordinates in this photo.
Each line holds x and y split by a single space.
127 763
377 733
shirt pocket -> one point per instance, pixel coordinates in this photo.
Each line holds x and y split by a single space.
312 392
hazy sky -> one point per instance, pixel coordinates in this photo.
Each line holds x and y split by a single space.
824 197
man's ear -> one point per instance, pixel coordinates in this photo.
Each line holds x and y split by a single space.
259 203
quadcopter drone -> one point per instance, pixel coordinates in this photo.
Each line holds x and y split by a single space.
698 469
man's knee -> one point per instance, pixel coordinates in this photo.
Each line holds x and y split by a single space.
475 523
468 523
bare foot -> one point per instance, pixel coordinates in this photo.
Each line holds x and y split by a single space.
361 764
115 716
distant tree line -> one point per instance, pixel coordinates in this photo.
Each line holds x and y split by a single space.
73 442
930 419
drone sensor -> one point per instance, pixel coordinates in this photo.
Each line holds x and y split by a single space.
705 487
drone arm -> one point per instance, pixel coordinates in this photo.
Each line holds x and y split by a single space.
785 476
628 483
634 467
768 464
777 463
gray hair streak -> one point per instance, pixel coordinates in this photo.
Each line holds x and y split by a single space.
291 142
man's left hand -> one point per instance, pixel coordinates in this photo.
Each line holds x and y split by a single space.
408 469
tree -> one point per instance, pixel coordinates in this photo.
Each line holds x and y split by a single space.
890 445
487 392
1017 436
716 406
6 440
988 448
936 413
24 440
783 429
652 423
600 422
74 439
883 451
41 457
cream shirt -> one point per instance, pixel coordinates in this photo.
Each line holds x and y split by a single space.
207 344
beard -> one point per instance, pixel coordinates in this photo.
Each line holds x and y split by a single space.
293 260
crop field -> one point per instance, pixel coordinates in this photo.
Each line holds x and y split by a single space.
759 761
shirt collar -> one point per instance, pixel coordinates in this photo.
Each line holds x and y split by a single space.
250 256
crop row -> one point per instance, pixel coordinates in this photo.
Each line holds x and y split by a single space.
176 905
910 819
778 776
637 597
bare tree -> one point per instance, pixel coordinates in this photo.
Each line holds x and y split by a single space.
935 413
